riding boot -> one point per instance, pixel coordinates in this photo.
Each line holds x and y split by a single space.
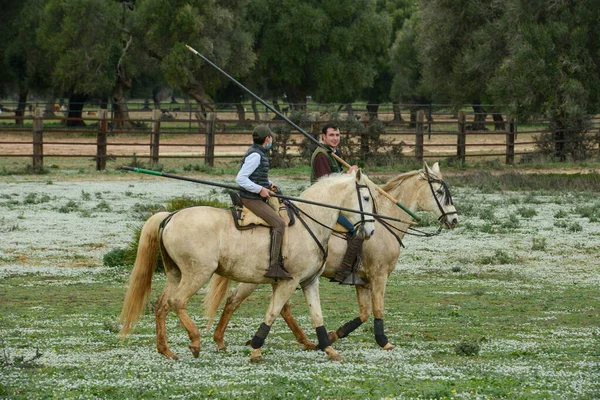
276 269
347 275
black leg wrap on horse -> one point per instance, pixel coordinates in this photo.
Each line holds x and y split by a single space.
259 338
380 337
323 337
348 328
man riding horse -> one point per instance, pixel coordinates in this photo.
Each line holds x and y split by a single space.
322 163
253 176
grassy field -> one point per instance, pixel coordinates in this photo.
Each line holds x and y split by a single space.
505 306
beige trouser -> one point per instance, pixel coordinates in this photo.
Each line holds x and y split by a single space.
264 211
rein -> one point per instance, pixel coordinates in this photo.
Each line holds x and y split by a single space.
299 212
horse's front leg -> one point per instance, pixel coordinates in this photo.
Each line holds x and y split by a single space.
237 297
313 300
363 296
378 293
282 291
301 337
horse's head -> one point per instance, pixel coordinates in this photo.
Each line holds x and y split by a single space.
363 201
436 198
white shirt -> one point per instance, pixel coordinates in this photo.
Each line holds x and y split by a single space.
250 164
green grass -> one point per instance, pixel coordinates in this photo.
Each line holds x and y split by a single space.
468 344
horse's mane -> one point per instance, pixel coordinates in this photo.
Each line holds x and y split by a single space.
388 186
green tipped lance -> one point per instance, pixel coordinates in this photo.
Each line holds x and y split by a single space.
237 188
293 125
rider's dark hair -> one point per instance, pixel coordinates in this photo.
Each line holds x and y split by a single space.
329 125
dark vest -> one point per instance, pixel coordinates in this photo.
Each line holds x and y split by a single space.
260 176
334 165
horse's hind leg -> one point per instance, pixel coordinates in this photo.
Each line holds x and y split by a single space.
363 296
161 310
286 313
178 302
239 294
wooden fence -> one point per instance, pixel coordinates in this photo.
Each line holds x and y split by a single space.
157 135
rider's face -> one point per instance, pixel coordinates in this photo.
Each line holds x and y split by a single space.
331 138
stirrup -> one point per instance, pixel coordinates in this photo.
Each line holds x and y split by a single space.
277 272
353 279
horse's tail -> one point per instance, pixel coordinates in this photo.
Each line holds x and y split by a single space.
217 289
140 281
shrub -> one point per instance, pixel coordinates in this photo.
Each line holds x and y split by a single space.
527 212
467 348
538 243
114 258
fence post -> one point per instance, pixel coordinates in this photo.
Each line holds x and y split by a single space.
510 143
101 141
209 146
461 138
38 138
155 137
419 136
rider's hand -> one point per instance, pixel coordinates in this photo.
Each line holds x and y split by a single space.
264 193
353 168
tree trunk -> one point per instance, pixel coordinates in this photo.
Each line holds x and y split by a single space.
20 111
499 123
205 104
397 112
296 99
558 132
479 120
241 111
372 111
76 103
255 110
49 108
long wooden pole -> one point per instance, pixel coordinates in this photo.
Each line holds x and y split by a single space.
295 126
225 186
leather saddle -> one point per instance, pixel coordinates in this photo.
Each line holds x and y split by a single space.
246 219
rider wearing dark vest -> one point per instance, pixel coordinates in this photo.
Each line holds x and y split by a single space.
253 177
322 163
260 176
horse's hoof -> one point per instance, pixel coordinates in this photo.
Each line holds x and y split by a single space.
221 347
310 346
169 354
332 354
333 337
195 351
388 347
256 357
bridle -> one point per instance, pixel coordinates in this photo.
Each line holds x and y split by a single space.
360 225
431 179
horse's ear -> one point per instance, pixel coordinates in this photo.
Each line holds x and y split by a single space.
426 168
358 175
436 168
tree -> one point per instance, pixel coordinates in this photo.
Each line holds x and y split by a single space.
326 49
24 62
81 39
399 11
460 46
552 67
213 28
407 85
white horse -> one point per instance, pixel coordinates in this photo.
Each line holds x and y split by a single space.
198 242
423 190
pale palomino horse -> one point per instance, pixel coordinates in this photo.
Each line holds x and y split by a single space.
424 190
198 242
